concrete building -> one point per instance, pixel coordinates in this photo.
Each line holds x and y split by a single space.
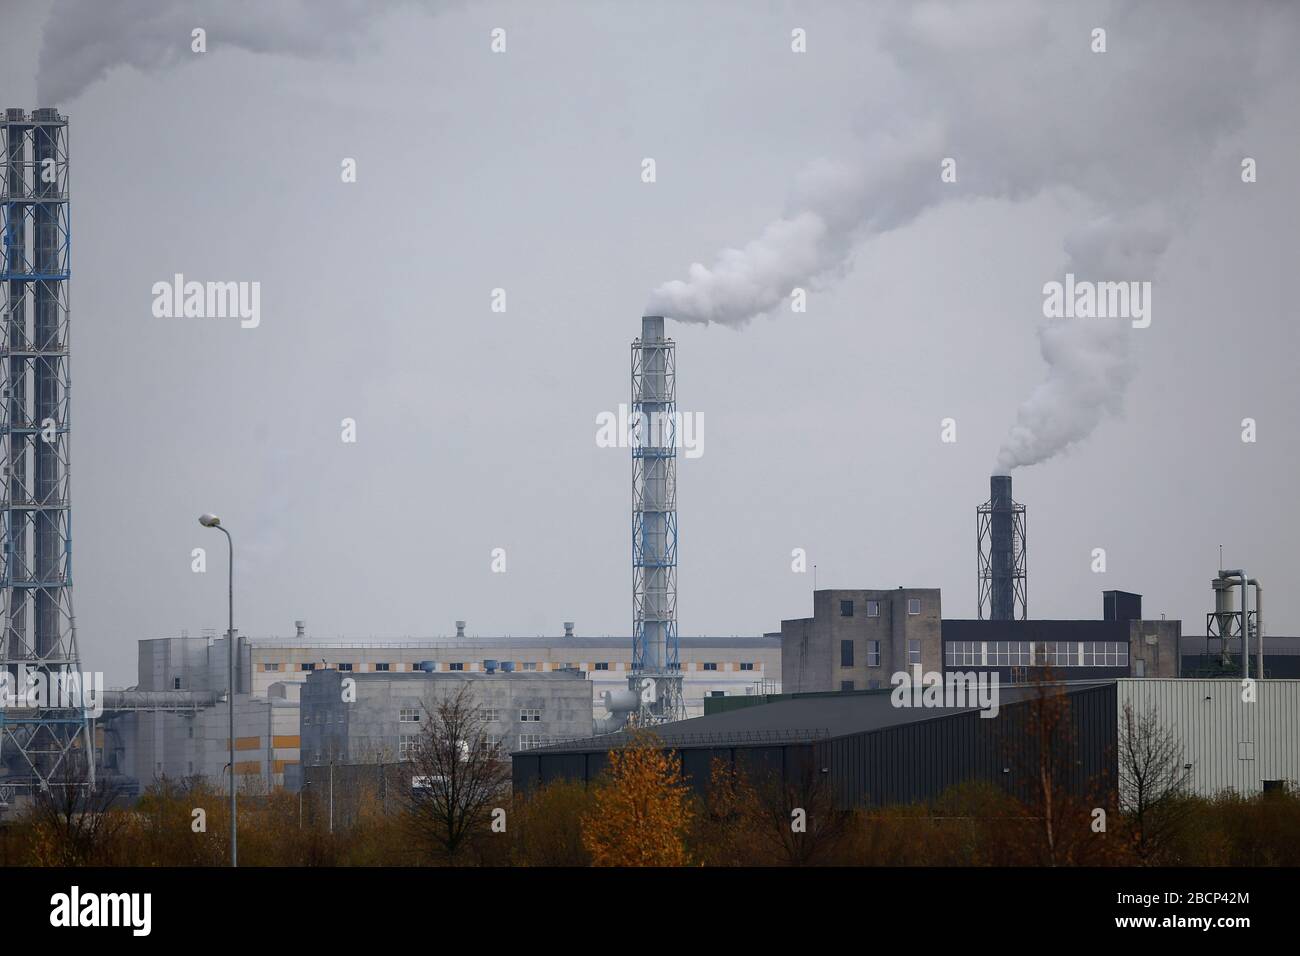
175 723
711 666
856 639
149 743
520 711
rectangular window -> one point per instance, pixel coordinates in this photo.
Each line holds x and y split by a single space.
846 685
602 665
307 667
873 609
408 715
176 684
746 665
345 667
717 693
271 666
873 653
846 609
709 666
913 605
913 652
528 741
530 665
456 666
381 667
846 653
491 714
405 747
530 714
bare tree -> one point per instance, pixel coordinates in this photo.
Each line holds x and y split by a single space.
74 824
795 820
457 776
1059 796
1153 781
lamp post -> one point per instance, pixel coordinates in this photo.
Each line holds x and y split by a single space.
212 521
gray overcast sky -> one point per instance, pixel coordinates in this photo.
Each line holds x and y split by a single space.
522 170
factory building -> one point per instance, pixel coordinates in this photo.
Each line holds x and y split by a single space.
175 723
856 639
874 753
144 742
386 711
709 666
870 752
1209 656
1121 644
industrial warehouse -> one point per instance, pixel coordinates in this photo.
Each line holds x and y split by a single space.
874 753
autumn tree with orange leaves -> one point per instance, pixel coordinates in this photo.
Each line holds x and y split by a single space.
641 810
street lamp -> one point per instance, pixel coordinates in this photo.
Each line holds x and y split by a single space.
212 521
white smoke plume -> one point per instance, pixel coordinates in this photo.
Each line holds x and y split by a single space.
85 39
833 205
1015 92
1088 361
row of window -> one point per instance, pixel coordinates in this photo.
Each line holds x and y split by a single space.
873 653
407 744
873 607
1040 654
273 666
411 714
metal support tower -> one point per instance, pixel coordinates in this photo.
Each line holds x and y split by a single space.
656 667
50 743
1000 548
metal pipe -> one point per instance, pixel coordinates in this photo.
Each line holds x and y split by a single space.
1259 629
1245 581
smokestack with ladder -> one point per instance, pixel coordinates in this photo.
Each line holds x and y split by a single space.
656 671
1000 538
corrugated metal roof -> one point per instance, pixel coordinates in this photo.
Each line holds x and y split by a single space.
811 717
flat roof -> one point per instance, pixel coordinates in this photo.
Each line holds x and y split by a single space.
441 643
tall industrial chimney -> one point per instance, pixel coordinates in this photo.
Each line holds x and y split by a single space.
38 632
1000 534
656 671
